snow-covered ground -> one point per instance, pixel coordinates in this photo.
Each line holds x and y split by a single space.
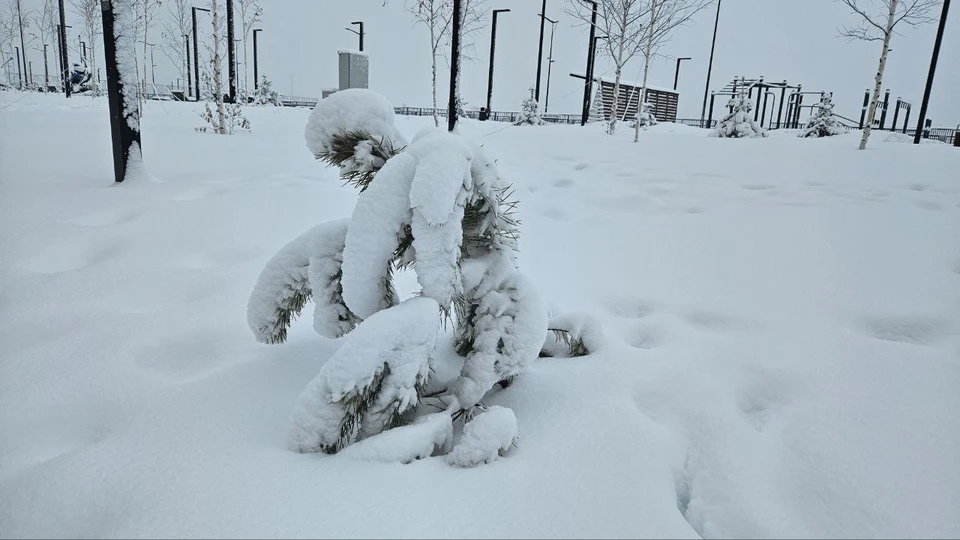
781 354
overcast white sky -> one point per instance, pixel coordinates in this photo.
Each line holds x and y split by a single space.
778 39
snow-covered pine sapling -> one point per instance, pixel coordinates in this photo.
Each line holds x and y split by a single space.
823 123
265 94
645 117
438 206
530 112
739 123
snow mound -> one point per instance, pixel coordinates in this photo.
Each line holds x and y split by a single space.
485 438
908 139
387 353
405 444
350 111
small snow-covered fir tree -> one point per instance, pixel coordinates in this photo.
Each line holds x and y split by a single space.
437 206
596 106
739 123
265 94
645 117
823 123
530 112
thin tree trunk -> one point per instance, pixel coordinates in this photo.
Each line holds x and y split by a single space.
217 95
612 126
433 67
878 81
246 65
646 69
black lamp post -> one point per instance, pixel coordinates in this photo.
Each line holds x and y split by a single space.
543 17
23 45
64 61
553 26
676 75
454 66
256 73
196 57
360 33
933 69
591 46
493 43
231 54
46 69
713 45
19 70
186 48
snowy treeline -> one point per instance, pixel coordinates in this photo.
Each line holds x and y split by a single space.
438 206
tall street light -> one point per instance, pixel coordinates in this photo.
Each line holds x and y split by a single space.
231 54
256 75
196 57
23 46
186 56
553 26
676 75
19 71
588 84
543 17
454 66
713 45
64 65
360 33
493 44
153 67
933 69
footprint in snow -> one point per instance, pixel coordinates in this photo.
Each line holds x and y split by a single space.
914 330
918 186
552 212
758 187
104 218
563 182
764 394
646 337
629 308
581 166
714 322
928 205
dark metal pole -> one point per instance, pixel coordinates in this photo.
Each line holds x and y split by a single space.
23 46
256 73
713 97
30 74
883 113
588 84
153 68
19 72
713 45
766 96
186 43
546 99
454 67
124 136
676 75
493 45
64 59
196 56
359 34
906 118
783 96
231 53
543 21
933 69
46 69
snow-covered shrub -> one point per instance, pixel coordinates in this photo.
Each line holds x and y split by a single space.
645 117
265 94
823 123
530 112
438 206
739 123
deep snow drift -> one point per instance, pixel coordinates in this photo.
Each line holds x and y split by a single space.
781 353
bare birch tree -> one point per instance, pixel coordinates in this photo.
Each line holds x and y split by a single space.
149 9
626 25
665 17
250 14
879 21
437 16
8 33
177 25
46 34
